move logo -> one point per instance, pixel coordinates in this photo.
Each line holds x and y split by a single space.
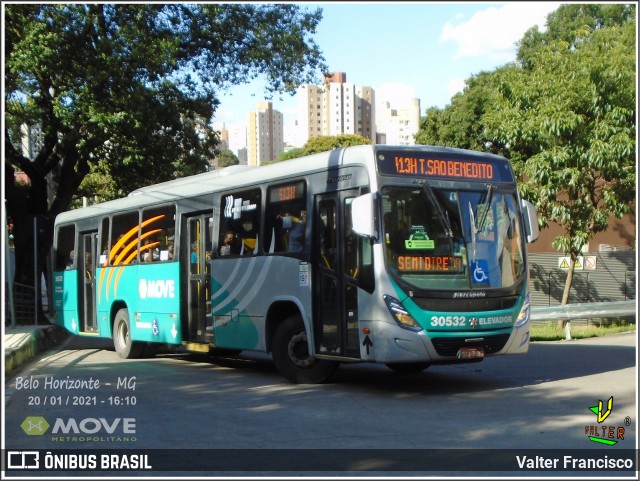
157 289
37 426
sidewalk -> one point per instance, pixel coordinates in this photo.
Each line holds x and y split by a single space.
23 343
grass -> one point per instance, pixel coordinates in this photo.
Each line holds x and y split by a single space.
550 331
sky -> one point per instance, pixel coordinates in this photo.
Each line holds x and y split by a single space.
404 49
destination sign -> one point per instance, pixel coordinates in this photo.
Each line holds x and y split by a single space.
418 165
430 264
287 192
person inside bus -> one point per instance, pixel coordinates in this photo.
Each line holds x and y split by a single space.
88 266
194 253
150 254
228 246
296 234
71 261
249 238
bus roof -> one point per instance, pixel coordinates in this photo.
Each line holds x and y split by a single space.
239 176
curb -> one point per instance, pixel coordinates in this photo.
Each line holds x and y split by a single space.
32 343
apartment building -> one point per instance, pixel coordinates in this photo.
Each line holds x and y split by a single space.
334 108
397 123
265 134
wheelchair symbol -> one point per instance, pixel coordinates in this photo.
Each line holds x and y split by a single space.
154 328
479 275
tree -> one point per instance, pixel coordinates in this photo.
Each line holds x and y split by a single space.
291 154
461 124
126 93
227 158
570 110
323 143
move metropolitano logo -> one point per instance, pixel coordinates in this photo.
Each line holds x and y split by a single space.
116 427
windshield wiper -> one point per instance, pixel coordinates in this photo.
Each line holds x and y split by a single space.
474 232
487 208
444 219
476 229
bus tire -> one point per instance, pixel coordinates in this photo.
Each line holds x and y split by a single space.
291 354
408 367
150 349
125 347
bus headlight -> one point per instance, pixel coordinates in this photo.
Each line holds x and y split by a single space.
400 314
523 317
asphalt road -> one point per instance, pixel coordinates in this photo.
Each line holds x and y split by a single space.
233 406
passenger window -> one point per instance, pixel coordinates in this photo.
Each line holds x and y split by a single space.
103 253
239 223
327 229
65 248
124 239
286 225
157 234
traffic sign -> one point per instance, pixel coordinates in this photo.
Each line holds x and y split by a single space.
590 263
565 261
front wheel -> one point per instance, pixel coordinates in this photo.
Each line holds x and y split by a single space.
291 355
125 347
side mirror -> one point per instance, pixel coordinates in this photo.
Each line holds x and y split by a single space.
530 217
363 216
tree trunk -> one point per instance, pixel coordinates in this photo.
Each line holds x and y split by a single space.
567 286
24 204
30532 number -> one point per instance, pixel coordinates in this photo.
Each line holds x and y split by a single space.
448 321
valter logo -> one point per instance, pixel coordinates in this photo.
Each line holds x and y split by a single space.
37 426
605 433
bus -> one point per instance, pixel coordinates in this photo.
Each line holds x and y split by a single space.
403 255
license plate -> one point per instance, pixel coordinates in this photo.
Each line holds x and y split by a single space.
470 353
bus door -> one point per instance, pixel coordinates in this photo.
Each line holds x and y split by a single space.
196 257
86 260
335 297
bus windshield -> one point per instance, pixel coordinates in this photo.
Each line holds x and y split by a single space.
453 239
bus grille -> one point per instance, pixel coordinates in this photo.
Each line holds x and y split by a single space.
466 305
449 346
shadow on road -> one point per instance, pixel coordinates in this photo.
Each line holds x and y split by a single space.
545 362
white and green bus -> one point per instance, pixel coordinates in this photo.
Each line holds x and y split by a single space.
407 256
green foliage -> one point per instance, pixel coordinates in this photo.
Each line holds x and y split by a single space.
227 158
461 123
291 154
570 24
323 143
136 85
564 114
571 113
124 92
552 331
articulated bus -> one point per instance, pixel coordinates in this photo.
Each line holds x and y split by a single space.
407 256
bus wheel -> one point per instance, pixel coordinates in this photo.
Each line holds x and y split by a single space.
408 367
125 347
291 355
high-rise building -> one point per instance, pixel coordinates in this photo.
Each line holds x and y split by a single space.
32 140
265 134
335 108
234 138
397 123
